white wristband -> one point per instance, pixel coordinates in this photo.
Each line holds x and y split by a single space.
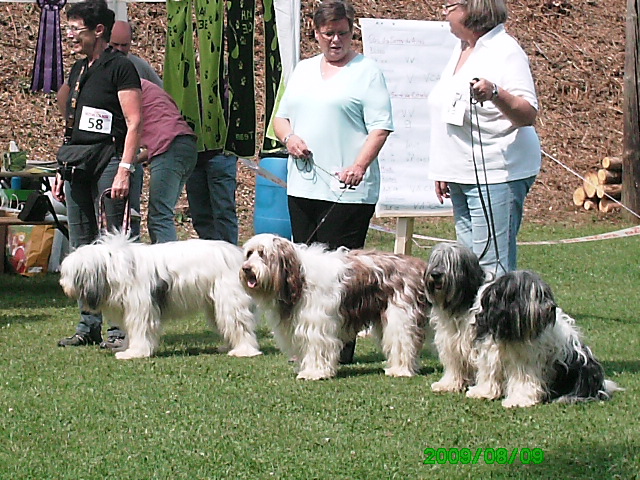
128 166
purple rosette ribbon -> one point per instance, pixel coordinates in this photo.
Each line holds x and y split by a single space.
48 70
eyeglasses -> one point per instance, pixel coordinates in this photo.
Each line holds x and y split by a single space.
447 7
330 35
75 30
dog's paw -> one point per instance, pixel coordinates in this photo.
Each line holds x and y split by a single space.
398 372
314 375
129 354
482 392
514 402
244 351
445 386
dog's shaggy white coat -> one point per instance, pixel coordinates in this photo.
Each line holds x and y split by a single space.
137 287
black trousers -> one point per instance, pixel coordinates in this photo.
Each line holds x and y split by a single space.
335 225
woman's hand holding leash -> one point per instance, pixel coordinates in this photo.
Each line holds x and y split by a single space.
483 90
297 146
352 175
120 185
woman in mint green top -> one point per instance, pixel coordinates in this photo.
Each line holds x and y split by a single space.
334 118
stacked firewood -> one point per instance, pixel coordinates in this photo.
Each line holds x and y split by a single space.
600 185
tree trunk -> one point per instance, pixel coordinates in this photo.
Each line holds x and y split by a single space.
631 157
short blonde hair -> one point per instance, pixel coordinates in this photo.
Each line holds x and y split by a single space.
485 15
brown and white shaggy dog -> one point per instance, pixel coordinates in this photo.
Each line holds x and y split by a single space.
319 299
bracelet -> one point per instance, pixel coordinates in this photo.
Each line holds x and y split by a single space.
128 166
494 93
287 138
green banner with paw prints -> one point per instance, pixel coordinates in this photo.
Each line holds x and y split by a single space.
214 87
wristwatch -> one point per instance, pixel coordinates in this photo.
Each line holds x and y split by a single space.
494 93
128 166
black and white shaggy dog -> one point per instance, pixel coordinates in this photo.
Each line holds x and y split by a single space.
529 350
319 299
453 278
138 286
506 338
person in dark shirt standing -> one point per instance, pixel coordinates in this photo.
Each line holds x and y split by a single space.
102 85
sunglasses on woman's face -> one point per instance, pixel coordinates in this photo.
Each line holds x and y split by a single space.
447 7
74 30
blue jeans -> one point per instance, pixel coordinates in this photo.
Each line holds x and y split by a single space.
211 191
506 202
169 172
83 206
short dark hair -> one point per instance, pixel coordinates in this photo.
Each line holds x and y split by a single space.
333 11
485 15
94 13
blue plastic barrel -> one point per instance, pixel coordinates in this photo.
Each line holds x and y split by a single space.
271 214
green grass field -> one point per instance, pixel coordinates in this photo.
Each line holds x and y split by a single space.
192 413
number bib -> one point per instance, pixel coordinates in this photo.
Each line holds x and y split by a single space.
95 120
454 114
342 188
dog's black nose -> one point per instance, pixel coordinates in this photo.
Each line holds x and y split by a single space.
436 275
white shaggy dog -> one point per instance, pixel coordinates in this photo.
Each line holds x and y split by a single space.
506 338
319 299
138 286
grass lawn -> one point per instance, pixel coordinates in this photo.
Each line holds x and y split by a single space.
192 413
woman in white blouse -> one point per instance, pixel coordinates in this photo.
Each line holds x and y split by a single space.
485 153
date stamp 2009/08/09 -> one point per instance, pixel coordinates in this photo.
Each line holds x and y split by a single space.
489 456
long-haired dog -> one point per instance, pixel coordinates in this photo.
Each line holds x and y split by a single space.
138 286
319 299
453 279
529 350
506 338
